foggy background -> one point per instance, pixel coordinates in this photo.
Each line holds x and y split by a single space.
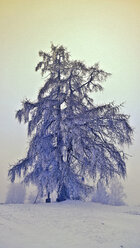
93 31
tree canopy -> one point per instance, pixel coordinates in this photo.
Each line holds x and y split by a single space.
72 140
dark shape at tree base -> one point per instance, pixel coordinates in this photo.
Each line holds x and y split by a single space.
48 200
60 199
63 195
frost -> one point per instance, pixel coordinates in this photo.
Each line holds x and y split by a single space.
71 139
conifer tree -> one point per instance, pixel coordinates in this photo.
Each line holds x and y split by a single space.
71 139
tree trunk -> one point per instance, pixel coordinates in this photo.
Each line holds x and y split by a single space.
63 194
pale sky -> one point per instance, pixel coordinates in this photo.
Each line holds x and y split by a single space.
104 31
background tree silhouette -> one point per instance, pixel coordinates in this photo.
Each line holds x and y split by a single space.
72 140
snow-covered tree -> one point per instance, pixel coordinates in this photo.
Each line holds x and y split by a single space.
71 139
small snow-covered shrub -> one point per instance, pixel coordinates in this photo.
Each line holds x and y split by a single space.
112 194
101 194
16 193
116 194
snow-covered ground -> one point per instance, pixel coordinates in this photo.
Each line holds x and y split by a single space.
69 224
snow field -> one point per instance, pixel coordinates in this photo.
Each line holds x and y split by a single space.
70 224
